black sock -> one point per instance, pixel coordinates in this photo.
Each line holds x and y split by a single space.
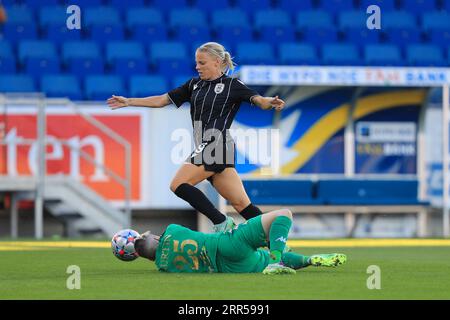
200 202
250 212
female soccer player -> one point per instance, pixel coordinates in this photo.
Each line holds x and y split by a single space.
215 99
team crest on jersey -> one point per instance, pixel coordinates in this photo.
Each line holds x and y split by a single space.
219 88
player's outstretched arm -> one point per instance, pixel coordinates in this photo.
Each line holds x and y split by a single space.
117 102
267 103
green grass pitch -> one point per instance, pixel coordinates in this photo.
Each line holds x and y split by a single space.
406 273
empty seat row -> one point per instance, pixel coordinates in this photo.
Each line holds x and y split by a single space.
250 5
57 15
333 192
130 57
93 87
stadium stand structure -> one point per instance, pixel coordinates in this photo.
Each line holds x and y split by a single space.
158 38
145 47
350 197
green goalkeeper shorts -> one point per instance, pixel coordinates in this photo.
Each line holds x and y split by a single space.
238 249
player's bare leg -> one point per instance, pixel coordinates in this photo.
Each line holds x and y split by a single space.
183 185
229 185
191 174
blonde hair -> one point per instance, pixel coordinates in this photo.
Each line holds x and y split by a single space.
217 50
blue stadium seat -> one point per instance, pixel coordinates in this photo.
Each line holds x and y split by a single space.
7 65
398 20
446 5
17 32
403 37
7 58
385 5
400 27
280 192
436 20
146 23
229 18
255 53
425 55
19 15
122 5
17 83
186 18
362 36
295 5
337 5
20 24
352 19
193 34
143 86
36 48
439 37
145 32
126 57
38 57
61 33
276 35
52 15
8 2
82 58
119 50
314 19
209 6
382 55
250 6
170 57
103 34
80 49
165 5
419 6
298 54
83 4
230 34
81 67
37 66
61 86
167 50
174 66
319 36
35 4
101 87
272 18
53 23
368 192
340 54
101 16
6 49
143 16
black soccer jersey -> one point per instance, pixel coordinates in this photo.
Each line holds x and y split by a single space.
214 104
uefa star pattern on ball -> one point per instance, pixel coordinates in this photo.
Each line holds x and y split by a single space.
122 245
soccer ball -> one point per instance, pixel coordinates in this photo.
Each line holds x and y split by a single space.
122 245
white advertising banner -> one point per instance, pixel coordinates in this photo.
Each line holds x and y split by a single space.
341 76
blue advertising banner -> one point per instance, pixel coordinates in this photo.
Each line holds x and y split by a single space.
313 124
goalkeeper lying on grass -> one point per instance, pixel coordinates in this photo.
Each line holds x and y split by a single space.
180 249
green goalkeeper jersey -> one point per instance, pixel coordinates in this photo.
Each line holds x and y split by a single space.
235 251
183 250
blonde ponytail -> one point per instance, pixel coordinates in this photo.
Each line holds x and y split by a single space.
217 50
